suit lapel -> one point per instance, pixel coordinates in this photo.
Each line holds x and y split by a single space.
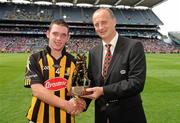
116 56
99 54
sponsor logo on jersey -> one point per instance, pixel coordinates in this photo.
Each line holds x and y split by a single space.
56 83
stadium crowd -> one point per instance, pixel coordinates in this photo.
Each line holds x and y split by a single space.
21 43
20 35
78 44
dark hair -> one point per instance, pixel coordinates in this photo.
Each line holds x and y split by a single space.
59 22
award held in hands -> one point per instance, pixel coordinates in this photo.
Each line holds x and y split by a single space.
80 77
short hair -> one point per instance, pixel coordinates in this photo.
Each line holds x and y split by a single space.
59 22
106 9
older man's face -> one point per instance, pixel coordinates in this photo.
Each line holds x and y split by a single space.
104 25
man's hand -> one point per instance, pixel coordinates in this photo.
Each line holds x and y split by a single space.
75 106
96 93
69 106
80 105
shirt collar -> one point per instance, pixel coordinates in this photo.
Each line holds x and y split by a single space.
113 41
48 50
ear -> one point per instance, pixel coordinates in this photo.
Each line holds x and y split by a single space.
68 38
47 34
115 21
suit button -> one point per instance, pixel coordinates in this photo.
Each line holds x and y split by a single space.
107 104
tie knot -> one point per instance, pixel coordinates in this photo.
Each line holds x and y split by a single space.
108 46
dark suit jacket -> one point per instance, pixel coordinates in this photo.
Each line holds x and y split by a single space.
121 101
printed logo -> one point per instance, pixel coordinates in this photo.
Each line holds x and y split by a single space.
46 68
28 64
57 71
56 66
122 71
56 83
31 76
67 70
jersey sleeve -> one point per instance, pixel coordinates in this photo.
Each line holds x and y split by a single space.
33 72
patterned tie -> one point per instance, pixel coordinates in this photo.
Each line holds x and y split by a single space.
107 60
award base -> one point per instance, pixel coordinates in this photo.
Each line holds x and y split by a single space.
80 91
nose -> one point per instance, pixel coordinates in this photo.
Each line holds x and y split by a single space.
100 26
61 36
58 37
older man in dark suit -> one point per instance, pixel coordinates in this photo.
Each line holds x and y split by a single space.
117 68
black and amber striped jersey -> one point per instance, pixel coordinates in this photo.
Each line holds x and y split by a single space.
41 67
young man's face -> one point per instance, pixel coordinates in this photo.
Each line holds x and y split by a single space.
58 36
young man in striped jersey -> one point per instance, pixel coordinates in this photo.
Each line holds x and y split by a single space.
49 75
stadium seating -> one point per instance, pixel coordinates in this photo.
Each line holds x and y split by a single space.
74 14
175 37
23 27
